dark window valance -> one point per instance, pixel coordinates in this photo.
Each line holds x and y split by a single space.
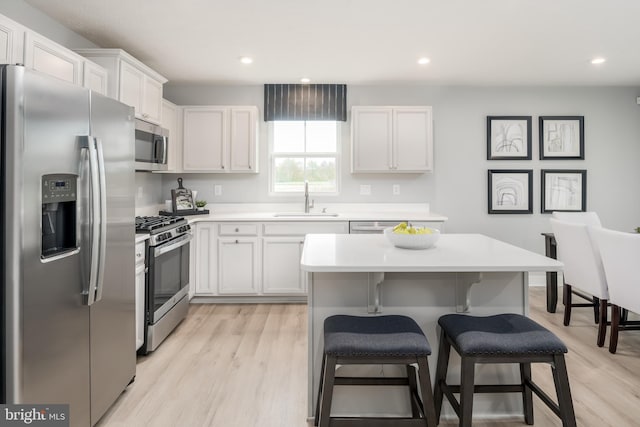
305 102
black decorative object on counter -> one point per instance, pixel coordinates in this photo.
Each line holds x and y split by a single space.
182 200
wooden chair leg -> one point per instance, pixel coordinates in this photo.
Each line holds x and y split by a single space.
413 390
561 380
327 391
602 325
615 328
441 373
427 394
566 294
317 416
527 395
596 309
467 379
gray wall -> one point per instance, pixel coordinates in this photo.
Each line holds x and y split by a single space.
458 186
37 21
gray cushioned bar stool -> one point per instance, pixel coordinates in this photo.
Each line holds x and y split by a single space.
504 338
392 340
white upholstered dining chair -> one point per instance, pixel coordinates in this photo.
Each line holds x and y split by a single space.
582 269
620 253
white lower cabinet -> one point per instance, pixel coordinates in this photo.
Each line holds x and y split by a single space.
281 273
237 259
140 283
238 266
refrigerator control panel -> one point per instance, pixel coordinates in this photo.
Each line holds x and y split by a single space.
59 188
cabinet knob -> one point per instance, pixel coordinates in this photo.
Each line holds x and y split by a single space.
222 166
237 241
237 230
249 166
139 255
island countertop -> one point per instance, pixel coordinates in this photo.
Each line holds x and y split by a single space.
452 253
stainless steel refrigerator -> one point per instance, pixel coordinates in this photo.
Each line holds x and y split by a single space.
67 217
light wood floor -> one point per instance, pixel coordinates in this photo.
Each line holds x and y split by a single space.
246 365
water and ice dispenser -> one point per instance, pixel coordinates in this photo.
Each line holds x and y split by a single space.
59 196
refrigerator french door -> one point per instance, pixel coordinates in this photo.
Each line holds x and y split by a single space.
68 245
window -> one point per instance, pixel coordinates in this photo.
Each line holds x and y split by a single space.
304 151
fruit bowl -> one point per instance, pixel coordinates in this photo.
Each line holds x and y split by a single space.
412 241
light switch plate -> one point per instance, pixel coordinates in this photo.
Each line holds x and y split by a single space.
217 190
365 190
396 189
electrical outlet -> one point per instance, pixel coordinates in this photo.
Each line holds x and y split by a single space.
396 189
140 192
217 190
365 190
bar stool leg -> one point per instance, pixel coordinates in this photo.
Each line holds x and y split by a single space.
441 372
527 395
566 294
561 380
413 390
327 391
466 391
427 394
321 381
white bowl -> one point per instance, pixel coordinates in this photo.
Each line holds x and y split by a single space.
412 241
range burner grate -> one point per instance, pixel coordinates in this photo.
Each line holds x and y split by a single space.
155 224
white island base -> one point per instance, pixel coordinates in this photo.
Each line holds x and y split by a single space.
364 275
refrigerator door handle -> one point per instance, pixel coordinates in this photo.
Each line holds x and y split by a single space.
88 143
102 220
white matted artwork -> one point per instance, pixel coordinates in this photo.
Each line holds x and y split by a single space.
510 191
564 190
508 137
561 137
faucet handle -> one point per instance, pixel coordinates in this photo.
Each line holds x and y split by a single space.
311 204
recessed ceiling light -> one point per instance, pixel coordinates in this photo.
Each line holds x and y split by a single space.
305 80
596 61
423 61
246 60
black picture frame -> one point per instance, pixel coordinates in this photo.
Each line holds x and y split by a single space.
510 191
561 137
563 190
508 137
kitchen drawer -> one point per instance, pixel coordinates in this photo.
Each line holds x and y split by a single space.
238 230
140 247
302 228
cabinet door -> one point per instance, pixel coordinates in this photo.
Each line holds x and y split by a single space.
281 273
204 135
171 119
140 291
243 141
371 137
95 77
46 56
412 139
205 264
237 265
131 87
11 41
152 100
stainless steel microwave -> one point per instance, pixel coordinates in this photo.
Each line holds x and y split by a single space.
152 143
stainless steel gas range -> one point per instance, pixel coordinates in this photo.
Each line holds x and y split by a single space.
167 282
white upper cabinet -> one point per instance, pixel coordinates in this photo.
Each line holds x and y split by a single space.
131 82
172 121
46 56
11 41
95 77
220 139
391 139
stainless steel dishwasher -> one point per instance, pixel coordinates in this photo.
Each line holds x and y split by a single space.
370 227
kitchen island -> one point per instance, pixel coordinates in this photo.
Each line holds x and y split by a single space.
366 275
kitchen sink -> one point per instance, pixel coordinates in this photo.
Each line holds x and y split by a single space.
304 214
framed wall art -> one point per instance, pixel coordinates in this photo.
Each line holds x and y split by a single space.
510 191
563 190
508 137
561 137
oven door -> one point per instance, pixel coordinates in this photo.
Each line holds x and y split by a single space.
168 280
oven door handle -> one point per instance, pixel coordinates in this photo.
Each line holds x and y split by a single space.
180 241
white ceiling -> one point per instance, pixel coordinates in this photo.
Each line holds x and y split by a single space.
469 42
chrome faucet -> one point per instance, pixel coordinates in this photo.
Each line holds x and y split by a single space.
307 205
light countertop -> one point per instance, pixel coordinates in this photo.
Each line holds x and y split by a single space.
452 253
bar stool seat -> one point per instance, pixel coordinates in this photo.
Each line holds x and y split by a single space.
504 338
392 339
